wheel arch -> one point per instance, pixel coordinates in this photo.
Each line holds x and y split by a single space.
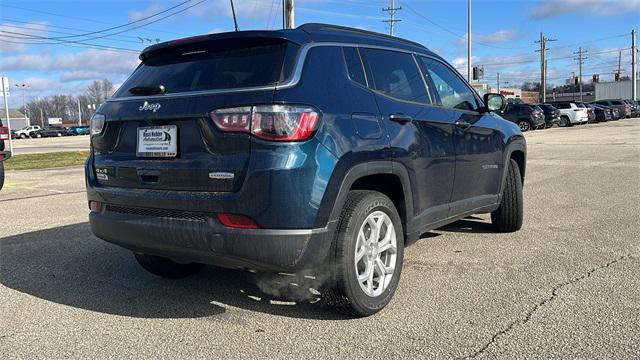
387 177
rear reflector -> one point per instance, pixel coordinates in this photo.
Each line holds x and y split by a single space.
269 122
237 221
95 206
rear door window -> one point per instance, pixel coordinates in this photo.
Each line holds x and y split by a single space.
452 92
395 74
214 65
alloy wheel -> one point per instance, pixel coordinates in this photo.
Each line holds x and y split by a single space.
376 253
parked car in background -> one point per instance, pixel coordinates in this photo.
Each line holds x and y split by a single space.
571 113
551 114
601 113
591 114
4 154
193 169
624 109
635 108
79 130
66 131
49 132
26 131
528 117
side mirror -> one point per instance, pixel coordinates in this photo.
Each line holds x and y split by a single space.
495 102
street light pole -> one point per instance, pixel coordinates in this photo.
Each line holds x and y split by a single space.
24 87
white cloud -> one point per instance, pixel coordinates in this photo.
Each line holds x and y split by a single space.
550 8
100 61
499 36
18 36
141 14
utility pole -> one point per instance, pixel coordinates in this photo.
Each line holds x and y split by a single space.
79 113
469 42
573 85
619 63
634 66
581 58
289 15
543 64
392 13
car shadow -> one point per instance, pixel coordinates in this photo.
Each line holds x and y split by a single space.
470 224
68 265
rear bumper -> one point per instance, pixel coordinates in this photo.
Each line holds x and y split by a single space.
183 226
188 240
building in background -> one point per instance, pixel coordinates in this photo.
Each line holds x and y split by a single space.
614 90
16 118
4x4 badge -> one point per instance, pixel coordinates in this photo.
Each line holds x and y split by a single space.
146 107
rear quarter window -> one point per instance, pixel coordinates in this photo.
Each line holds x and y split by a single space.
215 66
355 70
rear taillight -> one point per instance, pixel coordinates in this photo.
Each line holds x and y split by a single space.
237 221
97 123
4 133
269 122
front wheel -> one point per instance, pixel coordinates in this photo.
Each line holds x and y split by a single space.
23 136
524 125
367 255
509 216
166 267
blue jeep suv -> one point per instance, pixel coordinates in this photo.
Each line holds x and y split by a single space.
319 148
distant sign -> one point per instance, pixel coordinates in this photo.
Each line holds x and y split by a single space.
54 121
5 87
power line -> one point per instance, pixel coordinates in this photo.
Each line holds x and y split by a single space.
123 31
61 41
62 32
79 18
127 24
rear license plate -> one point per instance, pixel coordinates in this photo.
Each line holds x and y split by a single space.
157 141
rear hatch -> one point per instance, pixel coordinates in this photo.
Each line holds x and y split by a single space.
158 133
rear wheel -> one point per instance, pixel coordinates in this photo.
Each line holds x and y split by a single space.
509 216
367 255
23 136
166 267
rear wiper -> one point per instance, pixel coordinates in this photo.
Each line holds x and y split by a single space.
148 90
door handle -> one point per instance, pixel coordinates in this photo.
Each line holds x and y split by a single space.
400 118
463 124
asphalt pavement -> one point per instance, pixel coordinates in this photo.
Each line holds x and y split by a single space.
566 286
52 144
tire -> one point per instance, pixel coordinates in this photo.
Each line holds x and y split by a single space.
165 267
38 136
509 216
23 136
59 134
345 292
524 125
1 175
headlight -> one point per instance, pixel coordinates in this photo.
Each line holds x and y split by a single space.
97 123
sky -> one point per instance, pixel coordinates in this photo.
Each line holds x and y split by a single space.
61 46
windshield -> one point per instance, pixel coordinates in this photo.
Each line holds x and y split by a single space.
214 66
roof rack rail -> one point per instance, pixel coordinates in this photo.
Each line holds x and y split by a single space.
321 26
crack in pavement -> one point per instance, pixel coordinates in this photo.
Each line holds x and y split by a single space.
554 294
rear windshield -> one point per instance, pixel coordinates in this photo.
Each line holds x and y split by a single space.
580 105
215 66
616 102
